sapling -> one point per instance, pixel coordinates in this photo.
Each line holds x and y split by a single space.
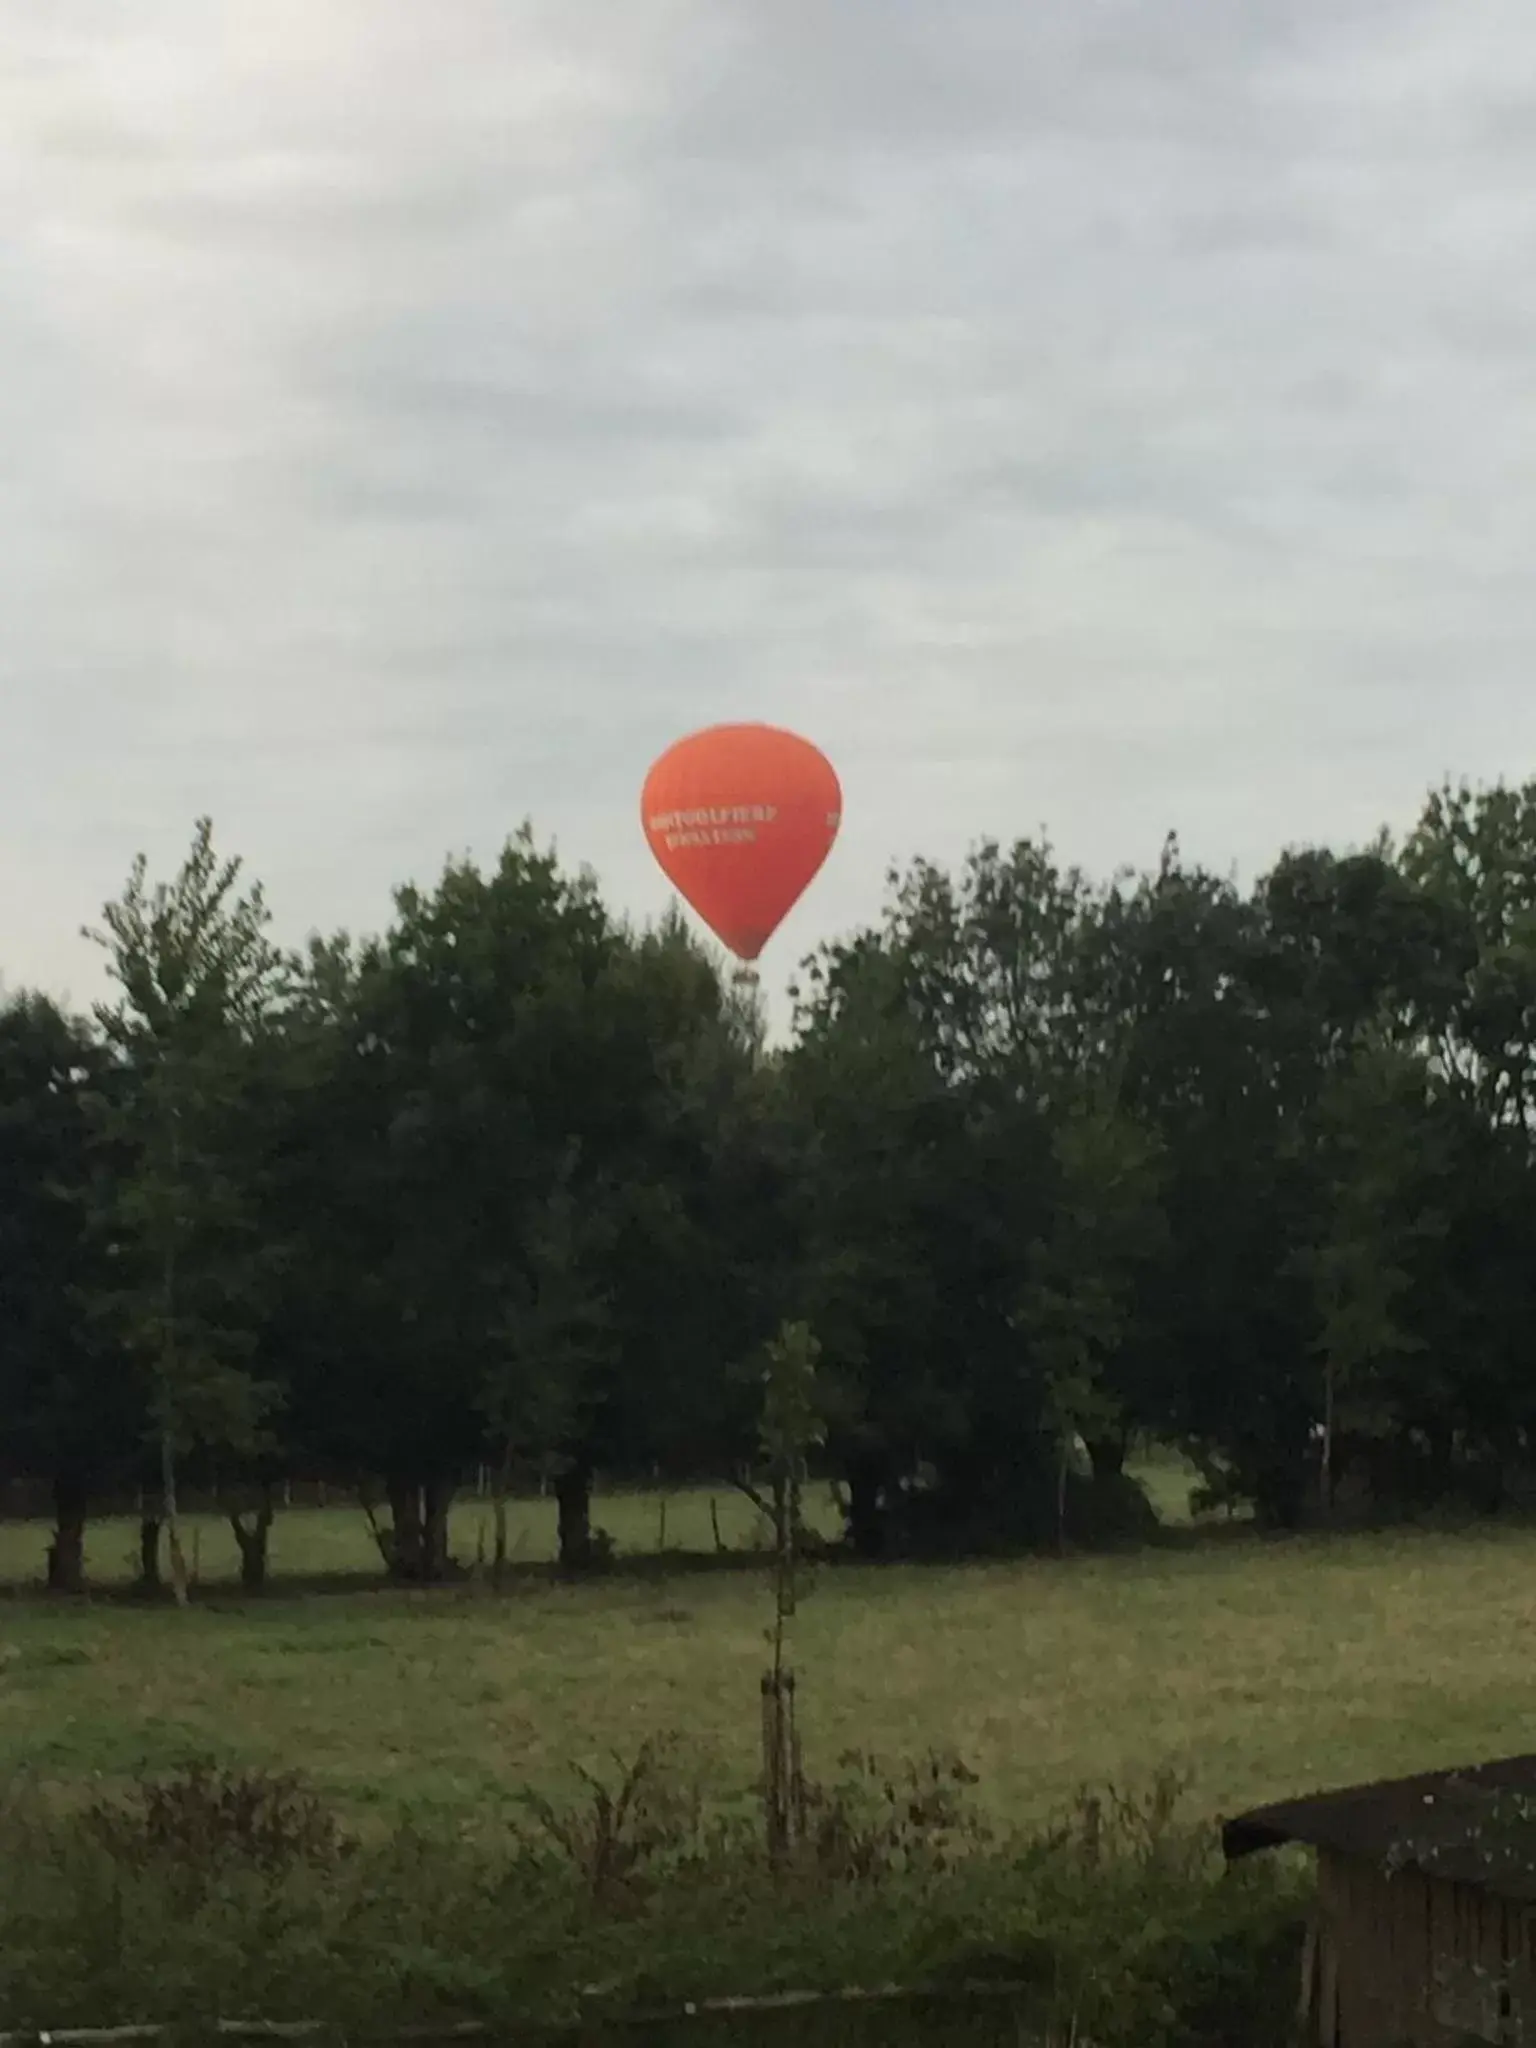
789 1429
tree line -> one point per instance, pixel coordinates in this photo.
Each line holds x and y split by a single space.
1047 1165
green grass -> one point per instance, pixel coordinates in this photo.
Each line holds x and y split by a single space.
335 1542
1257 1669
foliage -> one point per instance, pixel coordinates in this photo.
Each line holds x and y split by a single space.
1048 1164
1140 1940
790 1428
72 1413
619 1839
882 1816
208 1816
1078 1301
199 986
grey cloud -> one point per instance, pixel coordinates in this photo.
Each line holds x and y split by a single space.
872 74
1109 415
531 402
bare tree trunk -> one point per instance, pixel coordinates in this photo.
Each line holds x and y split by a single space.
168 1369
436 1500
573 1499
384 1539
172 1518
149 1554
782 1781
254 1541
1107 1455
66 1553
501 1487
407 1552
1063 1469
866 1520
1325 1462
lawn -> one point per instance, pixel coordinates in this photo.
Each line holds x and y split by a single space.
1256 1669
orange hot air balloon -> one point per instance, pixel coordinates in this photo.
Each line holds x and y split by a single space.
740 818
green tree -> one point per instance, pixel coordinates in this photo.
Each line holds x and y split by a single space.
558 1333
938 1055
1217 1358
689 1261
1080 1298
1473 851
888 1214
73 1415
1375 1228
790 1428
1238 1018
516 1165
200 984
992 960
1358 969
456 1070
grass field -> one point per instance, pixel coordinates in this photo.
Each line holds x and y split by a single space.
337 1543
1257 1669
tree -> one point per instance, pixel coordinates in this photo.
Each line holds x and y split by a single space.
1373 1227
883 1193
1358 970
514 1170
1474 853
939 1054
444 1099
690 1267
200 984
1354 944
1080 1298
70 1409
558 1333
789 1429
991 962
1217 1358
1046 1161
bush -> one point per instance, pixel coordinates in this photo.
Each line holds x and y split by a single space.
211 1897
208 1815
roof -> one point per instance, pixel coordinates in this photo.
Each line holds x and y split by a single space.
1472 1826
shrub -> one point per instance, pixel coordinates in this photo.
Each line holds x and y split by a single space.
220 1895
882 1818
209 1814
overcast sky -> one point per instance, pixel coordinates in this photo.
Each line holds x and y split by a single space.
413 416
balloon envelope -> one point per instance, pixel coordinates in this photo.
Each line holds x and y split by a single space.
740 818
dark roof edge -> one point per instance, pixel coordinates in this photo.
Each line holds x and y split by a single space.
1359 1817
1251 1832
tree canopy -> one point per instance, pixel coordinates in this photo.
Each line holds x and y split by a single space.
1047 1165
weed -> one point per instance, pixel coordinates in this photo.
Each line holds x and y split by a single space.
618 1838
881 1818
1140 1828
209 1815
630 1899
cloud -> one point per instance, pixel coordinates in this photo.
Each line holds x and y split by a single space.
414 418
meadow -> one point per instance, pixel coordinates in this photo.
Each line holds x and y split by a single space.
1252 1669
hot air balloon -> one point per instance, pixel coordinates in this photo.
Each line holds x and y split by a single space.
740 818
